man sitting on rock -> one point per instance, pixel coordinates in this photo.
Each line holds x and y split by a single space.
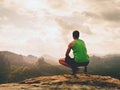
81 57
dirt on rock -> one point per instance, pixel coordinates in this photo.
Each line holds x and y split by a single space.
65 82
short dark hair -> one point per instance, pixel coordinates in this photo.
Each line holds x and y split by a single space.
75 34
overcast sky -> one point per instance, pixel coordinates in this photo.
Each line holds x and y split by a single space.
41 27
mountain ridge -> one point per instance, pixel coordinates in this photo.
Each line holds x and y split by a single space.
13 68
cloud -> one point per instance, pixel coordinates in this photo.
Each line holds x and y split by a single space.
110 46
107 10
10 16
58 4
17 14
67 24
71 26
40 27
112 15
74 22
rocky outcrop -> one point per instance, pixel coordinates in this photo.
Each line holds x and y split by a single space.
66 82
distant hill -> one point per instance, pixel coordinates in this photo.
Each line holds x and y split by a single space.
51 60
30 59
12 58
17 59
107 65
44 68
15 67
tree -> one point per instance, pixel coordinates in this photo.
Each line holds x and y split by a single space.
4 69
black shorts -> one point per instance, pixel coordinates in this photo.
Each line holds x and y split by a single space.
70 61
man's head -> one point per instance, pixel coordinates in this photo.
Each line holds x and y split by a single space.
75 34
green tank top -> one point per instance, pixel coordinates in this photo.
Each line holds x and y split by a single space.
80 52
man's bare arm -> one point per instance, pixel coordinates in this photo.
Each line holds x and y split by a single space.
69 48
68 51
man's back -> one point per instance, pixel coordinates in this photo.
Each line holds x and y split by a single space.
79 51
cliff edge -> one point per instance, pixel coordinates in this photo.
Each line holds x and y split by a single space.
66 82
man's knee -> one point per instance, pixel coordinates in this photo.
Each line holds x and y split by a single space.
67 59
61 60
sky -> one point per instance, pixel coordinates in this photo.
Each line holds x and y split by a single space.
44 27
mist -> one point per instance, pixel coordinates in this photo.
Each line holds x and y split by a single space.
44 27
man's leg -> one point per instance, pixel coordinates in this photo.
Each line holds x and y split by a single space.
62 61
70 61
74 70
85 64
85 69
